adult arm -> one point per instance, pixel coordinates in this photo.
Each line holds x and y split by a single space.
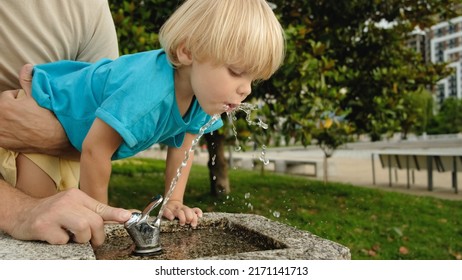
24 126
95 162
27 127
52 219
175 206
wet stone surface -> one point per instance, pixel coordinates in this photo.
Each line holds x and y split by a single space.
187 244
226 236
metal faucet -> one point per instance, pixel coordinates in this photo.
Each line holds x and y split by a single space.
145 232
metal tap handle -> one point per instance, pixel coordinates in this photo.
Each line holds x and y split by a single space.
155 201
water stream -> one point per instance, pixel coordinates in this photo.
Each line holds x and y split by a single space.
246 108
184 163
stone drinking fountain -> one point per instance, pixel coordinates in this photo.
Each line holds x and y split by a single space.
218 236
221 236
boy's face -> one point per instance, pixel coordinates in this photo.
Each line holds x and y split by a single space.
219 89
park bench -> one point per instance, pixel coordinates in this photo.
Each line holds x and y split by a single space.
296 166
443 161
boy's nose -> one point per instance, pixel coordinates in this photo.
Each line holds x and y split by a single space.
244 91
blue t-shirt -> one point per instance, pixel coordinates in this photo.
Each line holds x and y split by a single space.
134 94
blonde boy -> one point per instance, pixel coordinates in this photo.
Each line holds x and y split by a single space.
212 51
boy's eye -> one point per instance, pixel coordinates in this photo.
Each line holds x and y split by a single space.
234 72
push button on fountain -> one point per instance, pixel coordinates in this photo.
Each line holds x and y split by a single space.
144 231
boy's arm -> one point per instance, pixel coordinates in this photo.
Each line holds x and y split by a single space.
175 206
98 147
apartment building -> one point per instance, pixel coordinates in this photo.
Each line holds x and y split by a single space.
444 44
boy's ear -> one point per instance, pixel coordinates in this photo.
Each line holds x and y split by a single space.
184 55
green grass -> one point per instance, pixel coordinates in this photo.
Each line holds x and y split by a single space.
374 224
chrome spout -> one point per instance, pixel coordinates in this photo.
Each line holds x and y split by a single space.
144 231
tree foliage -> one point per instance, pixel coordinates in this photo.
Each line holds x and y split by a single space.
358 46
138 22
449 118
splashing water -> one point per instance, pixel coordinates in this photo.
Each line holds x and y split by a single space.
262 157
276 214
185 162
232 118
213 159
247 108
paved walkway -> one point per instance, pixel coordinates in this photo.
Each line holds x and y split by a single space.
353 164
358 170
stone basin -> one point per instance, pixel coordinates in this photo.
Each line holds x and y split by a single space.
226 236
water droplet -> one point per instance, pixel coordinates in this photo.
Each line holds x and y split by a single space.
262 124
214 178
247 195
213 159
276 214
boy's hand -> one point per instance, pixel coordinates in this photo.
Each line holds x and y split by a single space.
176 209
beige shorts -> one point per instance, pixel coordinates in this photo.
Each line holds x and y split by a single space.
65 173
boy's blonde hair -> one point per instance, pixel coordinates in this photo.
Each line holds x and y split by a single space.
240 33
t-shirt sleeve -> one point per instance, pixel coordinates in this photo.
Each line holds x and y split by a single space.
132 119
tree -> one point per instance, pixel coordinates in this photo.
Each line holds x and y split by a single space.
309 93
417 111
449 118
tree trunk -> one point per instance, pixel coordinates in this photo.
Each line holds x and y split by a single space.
328 152
218 166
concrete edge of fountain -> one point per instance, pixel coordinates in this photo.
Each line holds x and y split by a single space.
298 244
12 249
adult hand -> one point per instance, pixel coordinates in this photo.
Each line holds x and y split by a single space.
176 209
68 215
26 127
